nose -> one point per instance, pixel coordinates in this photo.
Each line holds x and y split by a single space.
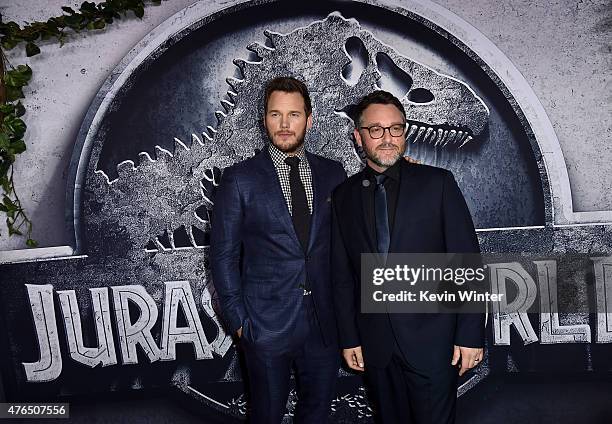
284 122
387 138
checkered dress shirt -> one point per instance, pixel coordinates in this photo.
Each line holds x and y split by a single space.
282 170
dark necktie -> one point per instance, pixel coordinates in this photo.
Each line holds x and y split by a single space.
299 203
383 237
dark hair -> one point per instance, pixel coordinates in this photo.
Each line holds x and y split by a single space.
288 85
379 97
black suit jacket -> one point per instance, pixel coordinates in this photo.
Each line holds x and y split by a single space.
431 217
260 289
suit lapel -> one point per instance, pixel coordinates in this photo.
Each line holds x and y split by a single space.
403 206
274 194
367 219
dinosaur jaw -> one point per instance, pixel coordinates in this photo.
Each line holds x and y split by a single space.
438 135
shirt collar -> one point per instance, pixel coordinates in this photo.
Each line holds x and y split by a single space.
279 157
392 172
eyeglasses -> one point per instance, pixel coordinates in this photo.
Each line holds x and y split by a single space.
376 131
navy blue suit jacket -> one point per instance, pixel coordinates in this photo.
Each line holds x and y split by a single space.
258 264
431 217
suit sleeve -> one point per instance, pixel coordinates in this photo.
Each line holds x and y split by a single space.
225 243
343 281
460 237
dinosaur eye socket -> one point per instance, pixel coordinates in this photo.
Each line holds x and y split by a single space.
420 95
358 54
392 77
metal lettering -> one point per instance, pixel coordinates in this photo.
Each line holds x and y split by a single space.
49 367
104 353
502 315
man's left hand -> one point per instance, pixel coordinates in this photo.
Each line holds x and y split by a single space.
470 357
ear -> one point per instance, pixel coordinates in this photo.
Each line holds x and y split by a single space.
309 122
357 136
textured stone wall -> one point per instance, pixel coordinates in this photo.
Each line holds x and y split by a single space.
562 48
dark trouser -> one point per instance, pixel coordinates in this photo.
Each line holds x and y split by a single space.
316 371
402 394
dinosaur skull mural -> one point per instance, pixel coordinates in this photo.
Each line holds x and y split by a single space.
175 190
143 230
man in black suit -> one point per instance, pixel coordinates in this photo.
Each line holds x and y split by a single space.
276 296
394 206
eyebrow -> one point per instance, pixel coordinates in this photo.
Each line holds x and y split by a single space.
378 124
291 111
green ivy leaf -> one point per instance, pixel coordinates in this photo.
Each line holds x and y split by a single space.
88 7
31 243
13 93
68 10
32 49
18 146
14 125
10 206
99 24
14 231
139 11
5 142
23 73
15 79
9 43
3 208
4 181
19 109
7 108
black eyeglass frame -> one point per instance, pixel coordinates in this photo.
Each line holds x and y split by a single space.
384 129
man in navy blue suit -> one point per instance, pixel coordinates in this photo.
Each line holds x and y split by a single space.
270 261
394 206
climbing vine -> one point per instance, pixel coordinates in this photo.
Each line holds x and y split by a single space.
13 79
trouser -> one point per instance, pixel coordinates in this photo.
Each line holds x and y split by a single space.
316 370
402 394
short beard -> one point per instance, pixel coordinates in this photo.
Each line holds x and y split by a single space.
291 148
383 163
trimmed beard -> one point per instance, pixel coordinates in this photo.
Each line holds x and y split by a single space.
294 147
383 163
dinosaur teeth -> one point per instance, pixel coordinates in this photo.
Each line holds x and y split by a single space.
442 134
437 137
419 134
441 137
467 140
411 133
451 137
427 134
